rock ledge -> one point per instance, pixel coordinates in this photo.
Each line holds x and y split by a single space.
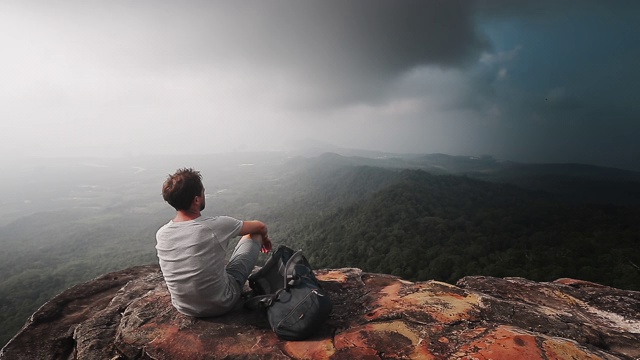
128 315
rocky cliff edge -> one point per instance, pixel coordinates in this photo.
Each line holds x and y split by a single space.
128 315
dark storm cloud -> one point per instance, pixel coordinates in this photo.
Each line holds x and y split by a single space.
369 44
379 37
547 8
344 50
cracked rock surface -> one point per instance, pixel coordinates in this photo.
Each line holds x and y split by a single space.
128 315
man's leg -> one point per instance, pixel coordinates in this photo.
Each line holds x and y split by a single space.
244 258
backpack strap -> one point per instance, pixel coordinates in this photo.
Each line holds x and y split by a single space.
291 276
259 302
263 301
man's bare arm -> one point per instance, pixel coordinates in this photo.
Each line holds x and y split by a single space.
257 227
253 227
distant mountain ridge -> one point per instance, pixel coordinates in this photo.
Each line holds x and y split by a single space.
575 182
457 164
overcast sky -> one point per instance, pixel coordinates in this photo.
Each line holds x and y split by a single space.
533 81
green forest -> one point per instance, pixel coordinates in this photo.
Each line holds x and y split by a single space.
445 227
421 226
389 216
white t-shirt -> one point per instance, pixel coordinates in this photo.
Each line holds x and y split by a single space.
192 259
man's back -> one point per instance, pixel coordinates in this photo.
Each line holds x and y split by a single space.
192 259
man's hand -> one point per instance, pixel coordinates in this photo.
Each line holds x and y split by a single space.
266 244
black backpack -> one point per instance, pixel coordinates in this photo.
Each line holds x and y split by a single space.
294 300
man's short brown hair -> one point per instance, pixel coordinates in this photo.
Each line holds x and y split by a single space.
181 188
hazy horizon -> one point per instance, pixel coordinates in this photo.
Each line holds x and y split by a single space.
532 81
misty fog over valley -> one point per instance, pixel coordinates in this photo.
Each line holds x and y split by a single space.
441 217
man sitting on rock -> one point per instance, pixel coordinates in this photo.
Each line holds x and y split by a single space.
192 249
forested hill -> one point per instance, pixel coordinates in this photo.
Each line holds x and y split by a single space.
445 227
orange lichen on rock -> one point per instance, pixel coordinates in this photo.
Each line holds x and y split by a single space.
238 344
332 275
504 343
173 342
170 342
389 296
389 339
507 342
561 349
310 349
445 307
442 302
